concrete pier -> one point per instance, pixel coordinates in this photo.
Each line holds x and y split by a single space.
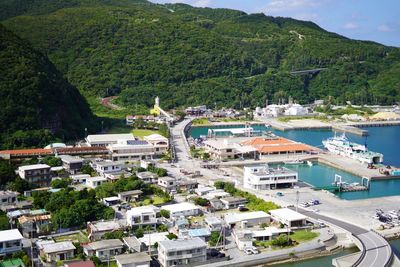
350 129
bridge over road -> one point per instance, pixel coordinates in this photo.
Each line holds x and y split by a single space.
375 250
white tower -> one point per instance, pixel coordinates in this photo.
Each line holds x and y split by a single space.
157 101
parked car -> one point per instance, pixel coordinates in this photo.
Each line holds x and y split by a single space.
248 251
254 250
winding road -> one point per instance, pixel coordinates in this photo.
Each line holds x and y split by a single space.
375 250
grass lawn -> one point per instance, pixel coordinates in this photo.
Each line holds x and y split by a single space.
158 200
143 132
79 237
303 236
200 121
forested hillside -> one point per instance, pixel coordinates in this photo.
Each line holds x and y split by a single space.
37 103
191 56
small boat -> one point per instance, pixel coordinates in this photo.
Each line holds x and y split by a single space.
294 162
310 163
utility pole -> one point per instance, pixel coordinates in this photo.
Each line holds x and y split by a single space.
297 199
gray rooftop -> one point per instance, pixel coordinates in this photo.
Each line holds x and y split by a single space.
272 171
105 244
130 193
233 199
57 247
70 159
131 241
133 258
182 244
143 175
105 226
108 163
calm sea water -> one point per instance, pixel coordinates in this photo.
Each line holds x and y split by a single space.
327 260
385 140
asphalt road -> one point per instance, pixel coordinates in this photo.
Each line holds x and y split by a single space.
378 252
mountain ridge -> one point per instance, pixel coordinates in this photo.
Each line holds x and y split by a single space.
190 56
38 105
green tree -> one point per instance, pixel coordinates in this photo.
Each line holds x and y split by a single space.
87 169
171 236
7 173
201 201
52 161
19 185
164 213
4 225
61 183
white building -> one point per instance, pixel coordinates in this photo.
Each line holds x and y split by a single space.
80 178
159 142
10 241
105 250
143 216
94 182
107 139
128 150
60 251
223 149
38 174
243 238
182 252
289 217
213 223
71 164
246 219
268 233
147 177
133 260
104 167
167 184
182 209
262 177
296 110
8 197
143 243
233 202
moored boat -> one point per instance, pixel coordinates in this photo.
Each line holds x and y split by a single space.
340 145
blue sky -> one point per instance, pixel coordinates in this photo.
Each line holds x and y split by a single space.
375 20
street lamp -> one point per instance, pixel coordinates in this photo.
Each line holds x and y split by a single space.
297 199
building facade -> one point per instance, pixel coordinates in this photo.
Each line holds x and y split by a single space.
38 174
10 242
262 177
131 150
143 216
182 252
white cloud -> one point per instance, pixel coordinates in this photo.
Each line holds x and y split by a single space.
202 3
307 16
384 28
350 26
278 6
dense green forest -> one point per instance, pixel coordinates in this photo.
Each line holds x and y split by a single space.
191 56
38 104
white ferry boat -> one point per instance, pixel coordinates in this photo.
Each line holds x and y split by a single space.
340 145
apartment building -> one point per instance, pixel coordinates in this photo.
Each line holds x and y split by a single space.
182 252
143 216
262 177
38 174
